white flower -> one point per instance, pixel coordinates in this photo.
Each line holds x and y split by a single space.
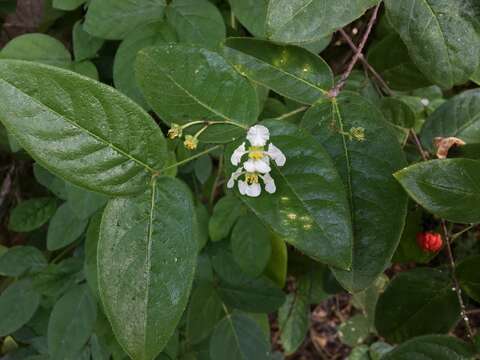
276 154
269 183
237 154
235 175
258 135
252 190
260 166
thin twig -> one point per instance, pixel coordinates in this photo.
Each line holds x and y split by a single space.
339 86
291 113
458 290
6 185
422 152
190 158
365 63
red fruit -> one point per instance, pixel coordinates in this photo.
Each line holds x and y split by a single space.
429 241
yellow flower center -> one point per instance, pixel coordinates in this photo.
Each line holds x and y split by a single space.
256 152
251 178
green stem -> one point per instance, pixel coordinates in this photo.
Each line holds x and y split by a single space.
208 123
291 113
190 158
215 183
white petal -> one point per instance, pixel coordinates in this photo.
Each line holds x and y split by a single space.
237 154
242 187
254 190
260 166
269 184
276 154
258 135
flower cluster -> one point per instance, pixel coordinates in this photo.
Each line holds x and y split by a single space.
429 241
257 166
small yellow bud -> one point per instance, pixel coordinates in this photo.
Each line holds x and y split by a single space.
175 131
357 133
190 142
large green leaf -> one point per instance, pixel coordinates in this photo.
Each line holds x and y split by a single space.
238 337
412 302
21 259
309 208
197 22
31 214
469 276
114 19
440 36
459 117
157 33
448 188
18 303
431 347
165 76
307 20
71 323
288 70
146 262
378 204
79 129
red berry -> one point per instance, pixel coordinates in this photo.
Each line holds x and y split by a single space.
429 241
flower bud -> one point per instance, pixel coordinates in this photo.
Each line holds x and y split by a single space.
190 142
175 131
429 241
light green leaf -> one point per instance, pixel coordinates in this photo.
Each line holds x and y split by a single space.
146 261
115 19
86 68
440 36
197 22
400 316
355 330
237 337
367 299
378 204
71 323
67 5
18 303
431 347
458 117
468 276
165 76
251 245
156 33
32 214
64 228
19 260
288 70
309 208
79 129
448 188
85 46
276 269
225 214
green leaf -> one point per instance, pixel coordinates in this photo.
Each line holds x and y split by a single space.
468 276
157 33
225 214
203 168
91 246
71 323
355 330
276 269
367 299
440 36
252 14
204 312
203 219
251 245
165 76
310 208
378 204
19 260
431 347
50 181
67 5
85 46
79 129
397 112
84 203
115 19
448 188
288 70
197 22
237 337
459 117
412 302
32 214
308 20
146 262
389 57
65 227
18 303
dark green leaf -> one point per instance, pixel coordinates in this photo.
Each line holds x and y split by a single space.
225 214
203 218
114 19
412 302
146 262
276 269
80 129
21 259
468 276
378 204
84 203
71 323
355 330
448 188
237 337
252 14
64 228
288 70
85 46
50 181
397 112
31 214
18 303
91 246
203 168
165 76
440 36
